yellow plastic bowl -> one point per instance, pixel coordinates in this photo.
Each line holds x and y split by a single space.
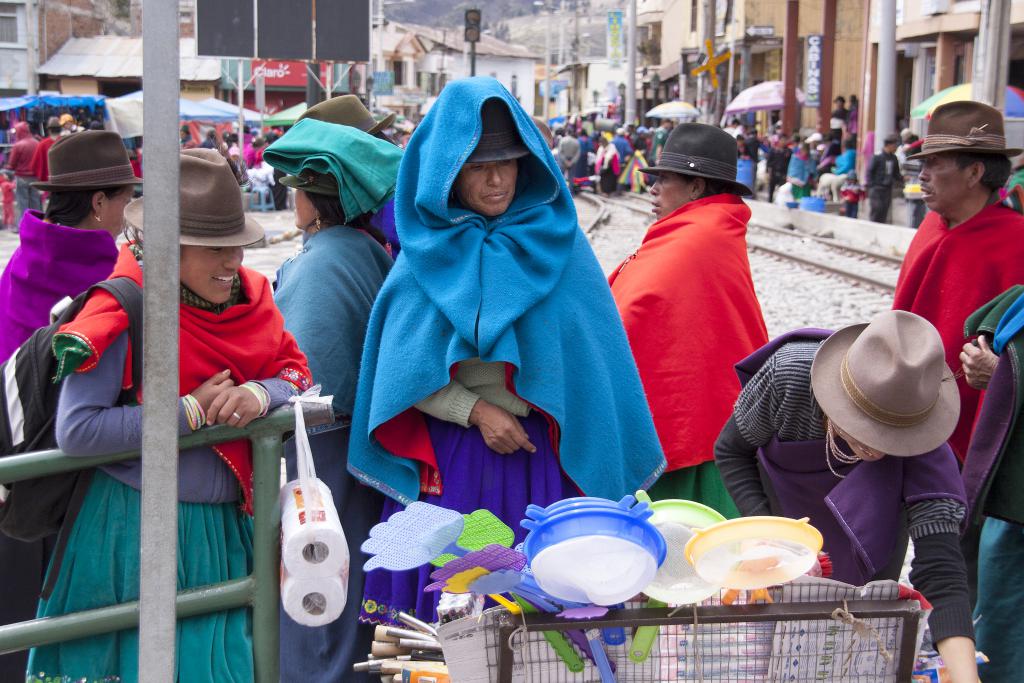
754 552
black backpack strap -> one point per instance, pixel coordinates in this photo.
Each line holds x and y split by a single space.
129 294
74 507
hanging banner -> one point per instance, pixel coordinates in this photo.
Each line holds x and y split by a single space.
616 49
812 79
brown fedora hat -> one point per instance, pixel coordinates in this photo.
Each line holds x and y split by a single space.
697 149
887 385
211 204
89 160
970 127
347 110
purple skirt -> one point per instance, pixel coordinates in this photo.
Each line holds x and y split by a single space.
473 477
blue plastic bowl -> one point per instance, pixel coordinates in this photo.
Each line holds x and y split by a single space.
599 521
537 513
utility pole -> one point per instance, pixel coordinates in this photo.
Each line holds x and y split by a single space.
992 54
828 52
561 34
630 102
547 66
32 43
885 95
708 34
790 55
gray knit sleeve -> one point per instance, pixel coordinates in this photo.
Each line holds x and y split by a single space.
935 516
453 403
757 406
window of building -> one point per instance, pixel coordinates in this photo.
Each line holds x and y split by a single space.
693 15
9 22
398 67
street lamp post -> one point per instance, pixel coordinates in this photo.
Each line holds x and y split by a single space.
546 99
622 102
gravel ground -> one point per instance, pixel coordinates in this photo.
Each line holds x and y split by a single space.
791 295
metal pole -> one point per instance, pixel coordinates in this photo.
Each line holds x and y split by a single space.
32 45
885 93
240 82
561 35
631 64
790 55
828 51
158 567
702 83
472 58
266 604
546 99
992 54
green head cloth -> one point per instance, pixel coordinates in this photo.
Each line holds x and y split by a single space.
364 168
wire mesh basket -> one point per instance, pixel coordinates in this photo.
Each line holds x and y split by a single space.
797 638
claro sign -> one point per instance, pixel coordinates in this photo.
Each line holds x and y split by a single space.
280 73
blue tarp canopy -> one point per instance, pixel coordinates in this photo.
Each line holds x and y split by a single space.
190 110
228 108
68 101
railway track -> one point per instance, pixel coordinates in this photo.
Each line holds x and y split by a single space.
821 254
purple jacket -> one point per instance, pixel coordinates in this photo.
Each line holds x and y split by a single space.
52 262
859 515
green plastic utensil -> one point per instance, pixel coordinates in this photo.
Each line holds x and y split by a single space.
481 529
557 640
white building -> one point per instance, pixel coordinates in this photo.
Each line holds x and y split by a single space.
419 61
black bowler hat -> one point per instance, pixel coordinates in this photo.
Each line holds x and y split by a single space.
500 139
697 149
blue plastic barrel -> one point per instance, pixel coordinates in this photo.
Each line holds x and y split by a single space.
816 204
745 169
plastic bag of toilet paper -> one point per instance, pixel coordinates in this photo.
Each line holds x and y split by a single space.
313 602
314 551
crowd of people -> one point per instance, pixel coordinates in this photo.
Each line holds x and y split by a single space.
477 357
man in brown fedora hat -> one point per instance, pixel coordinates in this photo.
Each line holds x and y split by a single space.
849 429
970 246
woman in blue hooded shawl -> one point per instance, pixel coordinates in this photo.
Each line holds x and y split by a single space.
495 370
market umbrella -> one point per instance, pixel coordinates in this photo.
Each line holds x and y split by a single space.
232 109
767 96
962 93
677 109
286 117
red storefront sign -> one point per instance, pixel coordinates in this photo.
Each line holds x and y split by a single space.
277 73
286 74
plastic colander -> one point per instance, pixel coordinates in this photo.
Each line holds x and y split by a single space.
594 554
754 552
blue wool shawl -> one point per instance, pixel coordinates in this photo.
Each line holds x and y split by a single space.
325 294
523 288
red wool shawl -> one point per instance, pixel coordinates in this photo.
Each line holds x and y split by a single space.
688 304
948 273
248 339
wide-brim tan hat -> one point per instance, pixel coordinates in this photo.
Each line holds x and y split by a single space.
348 110
211 212
887 385
967 127
89 160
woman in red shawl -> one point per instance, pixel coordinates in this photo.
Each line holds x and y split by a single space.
688 304
237 362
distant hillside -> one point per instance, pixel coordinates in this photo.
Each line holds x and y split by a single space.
448 13
518 21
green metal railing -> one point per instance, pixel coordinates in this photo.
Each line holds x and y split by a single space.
259 591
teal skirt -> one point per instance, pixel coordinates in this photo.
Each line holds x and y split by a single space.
101 568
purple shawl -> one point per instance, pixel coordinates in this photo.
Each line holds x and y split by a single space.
52 262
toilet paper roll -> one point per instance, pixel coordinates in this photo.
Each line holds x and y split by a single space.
312 541
313 602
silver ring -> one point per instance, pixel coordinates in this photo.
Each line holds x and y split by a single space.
236 416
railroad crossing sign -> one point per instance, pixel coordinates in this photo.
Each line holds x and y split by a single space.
710 64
